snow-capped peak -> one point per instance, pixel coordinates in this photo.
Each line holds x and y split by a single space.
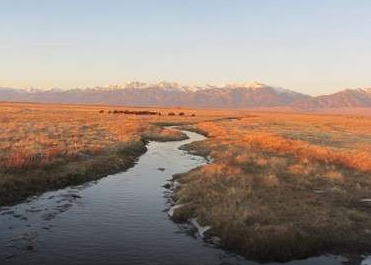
164 85
364 90
249 85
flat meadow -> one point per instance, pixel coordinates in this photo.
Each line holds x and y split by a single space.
282 186
45 147
279 186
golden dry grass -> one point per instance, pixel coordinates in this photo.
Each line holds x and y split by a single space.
280 186
343 140
283 186
32 133
36 139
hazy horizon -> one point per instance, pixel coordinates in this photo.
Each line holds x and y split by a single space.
314 47
201 86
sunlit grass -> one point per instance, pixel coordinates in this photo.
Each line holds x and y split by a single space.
49 146
282 186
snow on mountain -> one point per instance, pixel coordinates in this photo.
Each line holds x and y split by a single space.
169 94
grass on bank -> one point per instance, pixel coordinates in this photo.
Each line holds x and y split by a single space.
45 147
271 197
280 186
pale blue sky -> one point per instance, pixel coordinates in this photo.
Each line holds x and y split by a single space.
309 46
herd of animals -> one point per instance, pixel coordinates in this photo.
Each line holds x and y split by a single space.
143 112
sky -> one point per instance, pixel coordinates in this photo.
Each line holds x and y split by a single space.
314 46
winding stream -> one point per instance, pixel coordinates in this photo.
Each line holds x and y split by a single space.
120 219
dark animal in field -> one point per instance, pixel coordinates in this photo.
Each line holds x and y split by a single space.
171 114
181 114
193 115
101 111
136 112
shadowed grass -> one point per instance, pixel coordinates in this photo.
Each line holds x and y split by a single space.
19 184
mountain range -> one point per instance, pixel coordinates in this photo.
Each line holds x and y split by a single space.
252 95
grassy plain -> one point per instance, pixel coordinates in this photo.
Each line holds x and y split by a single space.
45 147
283 186
280 186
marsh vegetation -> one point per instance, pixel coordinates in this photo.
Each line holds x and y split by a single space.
282 186
45 147
278 186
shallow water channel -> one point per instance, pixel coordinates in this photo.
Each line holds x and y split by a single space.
120 219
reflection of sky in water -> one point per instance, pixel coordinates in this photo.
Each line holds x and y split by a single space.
120 219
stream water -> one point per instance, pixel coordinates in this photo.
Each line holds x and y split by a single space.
120 219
